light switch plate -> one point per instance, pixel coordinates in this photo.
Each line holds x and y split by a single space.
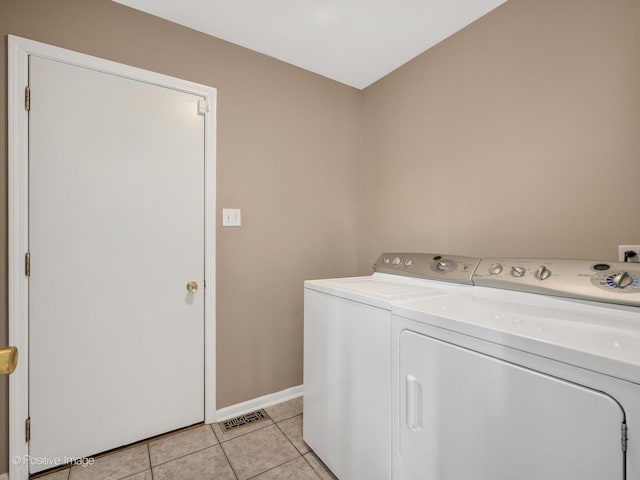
231 217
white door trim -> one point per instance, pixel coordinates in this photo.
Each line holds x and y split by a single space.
18 180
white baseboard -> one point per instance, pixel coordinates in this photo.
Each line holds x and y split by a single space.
258 403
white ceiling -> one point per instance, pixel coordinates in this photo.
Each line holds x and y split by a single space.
355 42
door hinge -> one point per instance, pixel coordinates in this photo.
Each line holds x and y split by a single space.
203 106
27 430
27 98
625 437
27 264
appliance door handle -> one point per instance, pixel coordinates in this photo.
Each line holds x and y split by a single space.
413 406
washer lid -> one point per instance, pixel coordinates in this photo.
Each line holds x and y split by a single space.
599 337
381 289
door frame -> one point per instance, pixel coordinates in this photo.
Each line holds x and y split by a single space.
19 50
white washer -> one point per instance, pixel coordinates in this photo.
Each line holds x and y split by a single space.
492 384
347 357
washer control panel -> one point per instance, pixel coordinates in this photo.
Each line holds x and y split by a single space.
434 266
612 282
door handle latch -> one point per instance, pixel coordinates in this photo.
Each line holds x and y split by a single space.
8 360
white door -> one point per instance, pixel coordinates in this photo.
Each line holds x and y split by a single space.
468 416
116 230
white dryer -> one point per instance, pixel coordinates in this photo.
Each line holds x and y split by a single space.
491 384
347 356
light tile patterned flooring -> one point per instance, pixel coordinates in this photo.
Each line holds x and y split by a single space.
272 449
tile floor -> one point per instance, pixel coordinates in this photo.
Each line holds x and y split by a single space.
272 449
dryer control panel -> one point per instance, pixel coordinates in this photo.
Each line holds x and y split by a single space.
433 266
612 282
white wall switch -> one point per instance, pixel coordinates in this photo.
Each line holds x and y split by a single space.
629 248
231 217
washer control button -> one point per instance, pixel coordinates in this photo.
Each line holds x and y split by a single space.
386 260
517 271
396 261
495 269
601 267
442 265
543 273
408 262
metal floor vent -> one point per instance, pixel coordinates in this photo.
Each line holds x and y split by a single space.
246 419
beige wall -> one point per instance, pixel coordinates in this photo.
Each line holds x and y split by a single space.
289 155
516 136
519 135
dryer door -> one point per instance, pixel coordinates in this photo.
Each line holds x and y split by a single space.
469 416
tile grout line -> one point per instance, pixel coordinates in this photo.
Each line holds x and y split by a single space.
286 418
322 464
309 463
116 451
243 434
287 437
185 455
233 470
277 466
296 448
182 456
214 433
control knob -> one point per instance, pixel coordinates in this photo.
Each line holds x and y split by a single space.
442 265
517 271
386 260
495 269
543 273
408 262
622 280
396 261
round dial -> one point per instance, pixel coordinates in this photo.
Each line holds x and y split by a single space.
396 261
622 280
408 262
517 271
543 273
495 269
386 260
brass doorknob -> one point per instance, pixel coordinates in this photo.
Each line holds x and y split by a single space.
192 286
8 360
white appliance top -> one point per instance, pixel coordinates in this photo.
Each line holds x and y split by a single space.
381 289
596 336
402 276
